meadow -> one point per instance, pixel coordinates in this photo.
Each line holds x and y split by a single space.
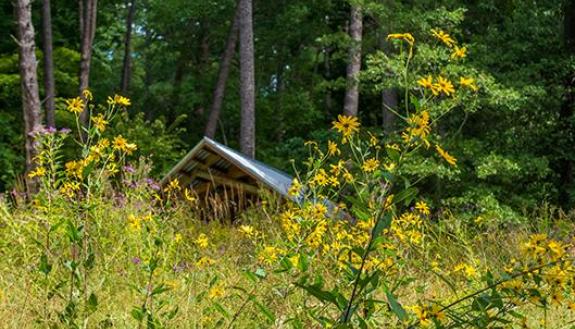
102 245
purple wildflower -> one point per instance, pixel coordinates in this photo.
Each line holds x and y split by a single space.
129 169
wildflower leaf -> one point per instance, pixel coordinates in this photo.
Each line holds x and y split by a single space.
395 306
162 288
92 303
303 263
45 267
137 313
317 292
222 310
382 224
265 311
406 195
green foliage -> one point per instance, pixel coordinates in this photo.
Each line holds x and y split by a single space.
161 144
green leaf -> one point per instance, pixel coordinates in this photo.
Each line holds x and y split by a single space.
160 289
395 306
382 223
45 267
221 310
92 303
322 295
405 195
265 311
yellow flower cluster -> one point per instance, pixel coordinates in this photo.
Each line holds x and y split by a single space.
269 255
419 128
427 314
121 144
40 171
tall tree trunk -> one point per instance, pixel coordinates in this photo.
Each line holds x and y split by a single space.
566 113
327 76
223 73
351 101
388 100
127 66
247 76
148 78
88 13
29 84
49 85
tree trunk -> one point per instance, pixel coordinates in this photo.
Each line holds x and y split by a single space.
88 13
127 66
148 79
566 113
247 76
49 85
388 100
223 73
29 84
351 101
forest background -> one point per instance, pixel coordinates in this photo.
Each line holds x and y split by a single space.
513 142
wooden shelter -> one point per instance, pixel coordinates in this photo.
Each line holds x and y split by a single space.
223 177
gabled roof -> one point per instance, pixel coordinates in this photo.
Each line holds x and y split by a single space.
212 162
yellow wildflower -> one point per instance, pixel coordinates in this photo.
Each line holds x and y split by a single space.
427 83
423 208
419 128
445 86
216 291
370 165
247 230
134 223
347 176
178 238
99 122
121 144
188 195
332 148
373 141
422 314
556 248
459 52
204 261
346 125
39 172
468 83
294 260
446 156
393 147
69 189
443 37
320 178
202 241
294 189
75 105
173 185
268 255
87 95
122 101
407 37
319 210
